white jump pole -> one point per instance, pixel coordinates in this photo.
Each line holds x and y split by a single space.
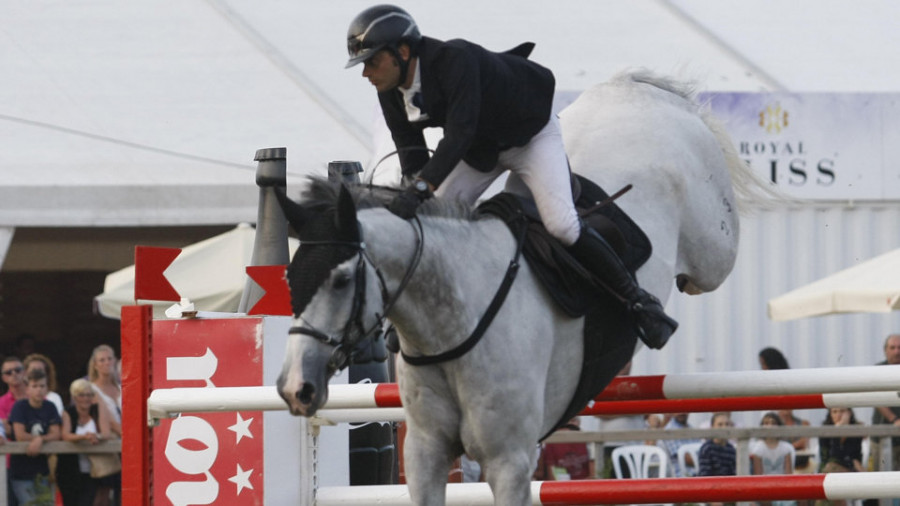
837 486
845 387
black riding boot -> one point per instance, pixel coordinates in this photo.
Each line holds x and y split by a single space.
595 254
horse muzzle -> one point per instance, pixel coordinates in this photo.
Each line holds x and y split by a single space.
302 400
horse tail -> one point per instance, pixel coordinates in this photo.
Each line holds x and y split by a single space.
751 191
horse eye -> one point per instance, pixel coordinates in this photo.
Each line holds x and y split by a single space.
340 281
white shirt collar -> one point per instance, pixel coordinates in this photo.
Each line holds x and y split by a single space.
413 112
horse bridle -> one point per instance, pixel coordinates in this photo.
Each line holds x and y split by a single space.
354 331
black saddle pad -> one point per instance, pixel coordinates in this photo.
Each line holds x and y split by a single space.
609 337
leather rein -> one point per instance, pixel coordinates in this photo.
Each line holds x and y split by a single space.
354 330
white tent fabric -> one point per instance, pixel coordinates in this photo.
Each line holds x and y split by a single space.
870 287
210 273
148 113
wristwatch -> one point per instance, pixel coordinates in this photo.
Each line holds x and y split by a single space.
420 185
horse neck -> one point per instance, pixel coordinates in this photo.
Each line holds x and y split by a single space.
446 293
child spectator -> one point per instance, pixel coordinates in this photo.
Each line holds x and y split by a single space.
718 457
42 362
35 420
771 455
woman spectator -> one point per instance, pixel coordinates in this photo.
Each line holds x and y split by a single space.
87 423
104 377
770 359
36 361
840 454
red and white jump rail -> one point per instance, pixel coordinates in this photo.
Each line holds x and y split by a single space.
835 486
699 392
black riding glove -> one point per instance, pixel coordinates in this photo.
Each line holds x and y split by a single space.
405 204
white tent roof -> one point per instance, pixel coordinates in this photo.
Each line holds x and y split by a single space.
872 286
149 112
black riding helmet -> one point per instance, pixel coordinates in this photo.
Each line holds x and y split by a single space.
381 27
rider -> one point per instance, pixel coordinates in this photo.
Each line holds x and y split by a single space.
495 109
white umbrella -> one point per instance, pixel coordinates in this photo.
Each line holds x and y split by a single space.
211 273
870 287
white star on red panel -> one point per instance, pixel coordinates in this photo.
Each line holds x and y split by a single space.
241 428
241 479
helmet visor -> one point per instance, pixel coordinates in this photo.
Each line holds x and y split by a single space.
359 52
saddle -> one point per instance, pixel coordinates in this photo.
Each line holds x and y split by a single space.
561 274
609 337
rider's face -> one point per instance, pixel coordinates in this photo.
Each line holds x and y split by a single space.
382 71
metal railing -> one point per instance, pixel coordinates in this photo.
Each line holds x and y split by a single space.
52 447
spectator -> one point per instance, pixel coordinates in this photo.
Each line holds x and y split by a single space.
840 454
14 376
565 461
103 375
888 415
88 423
802 463
772 359
717 456
13 371
653 421
771 455
39 362
618 423
35 420
471 469
678 421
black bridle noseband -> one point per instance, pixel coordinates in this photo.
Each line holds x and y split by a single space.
354 331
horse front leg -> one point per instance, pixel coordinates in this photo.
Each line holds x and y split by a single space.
509 476
427 461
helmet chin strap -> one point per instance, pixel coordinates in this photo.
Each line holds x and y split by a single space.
403 64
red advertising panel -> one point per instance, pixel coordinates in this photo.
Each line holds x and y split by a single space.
208 458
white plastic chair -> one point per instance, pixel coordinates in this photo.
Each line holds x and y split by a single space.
692 449
640 459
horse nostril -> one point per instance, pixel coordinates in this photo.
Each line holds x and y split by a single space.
306 393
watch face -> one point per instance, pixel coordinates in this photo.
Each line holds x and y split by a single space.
421 186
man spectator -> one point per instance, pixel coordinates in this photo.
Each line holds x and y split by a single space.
678 421
888 415
13 371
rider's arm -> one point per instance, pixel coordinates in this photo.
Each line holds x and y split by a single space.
458 77
409 140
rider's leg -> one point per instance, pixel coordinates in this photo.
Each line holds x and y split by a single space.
543 167
466 184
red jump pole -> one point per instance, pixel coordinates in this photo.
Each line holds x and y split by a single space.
135 332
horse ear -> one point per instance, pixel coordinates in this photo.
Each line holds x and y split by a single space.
296 214
345 218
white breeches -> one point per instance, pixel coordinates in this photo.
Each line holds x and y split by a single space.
538 169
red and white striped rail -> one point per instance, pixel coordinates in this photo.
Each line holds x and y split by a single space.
836 486
730 391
